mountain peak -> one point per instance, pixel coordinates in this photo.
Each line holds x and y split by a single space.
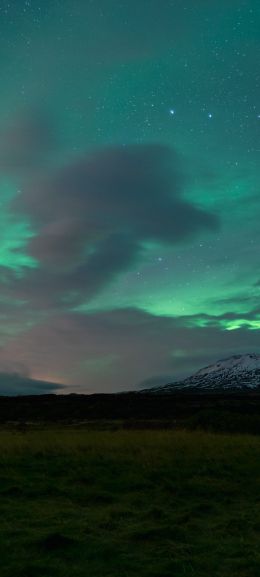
237 372
241 363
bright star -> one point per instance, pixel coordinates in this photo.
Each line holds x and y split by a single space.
172 111
210 115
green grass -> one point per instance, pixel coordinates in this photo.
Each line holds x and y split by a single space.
129 504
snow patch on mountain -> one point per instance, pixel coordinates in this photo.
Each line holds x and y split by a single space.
238 372
236 364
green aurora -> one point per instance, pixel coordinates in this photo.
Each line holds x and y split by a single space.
79 78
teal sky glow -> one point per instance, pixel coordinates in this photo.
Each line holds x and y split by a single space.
129 188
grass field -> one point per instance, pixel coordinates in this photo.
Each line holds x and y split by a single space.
129 504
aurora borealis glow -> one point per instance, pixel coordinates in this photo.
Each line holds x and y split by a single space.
129 188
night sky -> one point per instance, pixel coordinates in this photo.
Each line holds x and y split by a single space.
129 189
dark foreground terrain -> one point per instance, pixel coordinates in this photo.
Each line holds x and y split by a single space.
233 412
129 503
130 486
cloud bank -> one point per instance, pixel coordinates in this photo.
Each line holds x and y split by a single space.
118 350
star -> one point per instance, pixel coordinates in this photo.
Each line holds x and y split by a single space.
172 111
210 115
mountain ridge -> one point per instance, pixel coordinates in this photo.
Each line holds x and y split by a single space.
234 373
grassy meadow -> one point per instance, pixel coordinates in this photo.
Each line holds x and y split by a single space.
79 503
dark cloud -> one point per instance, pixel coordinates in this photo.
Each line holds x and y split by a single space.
14 384
15 380
93 217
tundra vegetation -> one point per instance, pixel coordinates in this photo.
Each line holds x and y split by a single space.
128 503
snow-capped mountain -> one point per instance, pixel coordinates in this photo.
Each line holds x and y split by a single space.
237 373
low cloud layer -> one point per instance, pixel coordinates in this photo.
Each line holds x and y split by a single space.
15 379
118 350
15 384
